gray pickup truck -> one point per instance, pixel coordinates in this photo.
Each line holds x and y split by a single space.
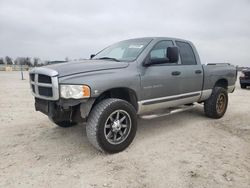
128 79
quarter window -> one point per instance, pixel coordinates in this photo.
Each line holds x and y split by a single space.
186 53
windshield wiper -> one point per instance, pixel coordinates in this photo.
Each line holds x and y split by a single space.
109 58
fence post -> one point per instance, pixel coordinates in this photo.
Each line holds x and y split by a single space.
22 71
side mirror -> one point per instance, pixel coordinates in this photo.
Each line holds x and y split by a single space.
92 55
172 57
173 54
148 62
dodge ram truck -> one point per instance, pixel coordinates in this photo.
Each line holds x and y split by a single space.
126 80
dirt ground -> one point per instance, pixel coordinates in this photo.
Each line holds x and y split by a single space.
182 150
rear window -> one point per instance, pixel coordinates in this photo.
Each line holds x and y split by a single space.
186 53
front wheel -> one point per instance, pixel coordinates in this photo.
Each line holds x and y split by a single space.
216 105
112 125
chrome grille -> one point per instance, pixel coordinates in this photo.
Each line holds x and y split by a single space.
45 91
44 83
44 79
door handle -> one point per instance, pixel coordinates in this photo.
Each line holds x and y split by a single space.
176 73
198 72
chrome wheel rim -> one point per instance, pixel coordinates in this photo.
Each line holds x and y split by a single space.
117 127
221 103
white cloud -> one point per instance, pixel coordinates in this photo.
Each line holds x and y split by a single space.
59 29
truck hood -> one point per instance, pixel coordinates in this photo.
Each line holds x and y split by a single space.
72 68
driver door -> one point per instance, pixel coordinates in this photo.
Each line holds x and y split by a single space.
159 81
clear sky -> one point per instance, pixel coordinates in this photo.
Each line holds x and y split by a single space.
55 29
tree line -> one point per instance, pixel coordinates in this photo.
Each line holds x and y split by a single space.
35 61
28 61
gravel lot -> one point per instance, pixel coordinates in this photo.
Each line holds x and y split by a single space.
182 150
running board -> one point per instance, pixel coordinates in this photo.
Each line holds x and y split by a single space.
168 111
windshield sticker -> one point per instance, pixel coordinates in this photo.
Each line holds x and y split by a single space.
135 46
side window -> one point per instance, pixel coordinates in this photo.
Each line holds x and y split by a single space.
160 49
186 53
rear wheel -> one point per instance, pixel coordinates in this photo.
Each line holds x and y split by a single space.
216 105
112 125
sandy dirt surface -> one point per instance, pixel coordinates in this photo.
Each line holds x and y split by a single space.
182 150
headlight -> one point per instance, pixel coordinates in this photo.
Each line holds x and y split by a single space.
75 91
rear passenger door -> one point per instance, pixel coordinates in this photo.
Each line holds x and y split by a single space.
191 72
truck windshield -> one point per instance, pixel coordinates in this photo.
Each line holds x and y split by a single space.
127 50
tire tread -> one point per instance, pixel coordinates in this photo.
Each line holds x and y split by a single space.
93 121
210 103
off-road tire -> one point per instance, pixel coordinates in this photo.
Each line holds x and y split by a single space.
211 104
97 119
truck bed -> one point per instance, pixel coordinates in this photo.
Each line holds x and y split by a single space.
220 71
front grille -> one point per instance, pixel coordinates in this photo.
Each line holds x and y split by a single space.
33 88
45 91
32 77
44 83
44 79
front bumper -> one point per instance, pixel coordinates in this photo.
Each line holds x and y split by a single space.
44 106
56 112
74 110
